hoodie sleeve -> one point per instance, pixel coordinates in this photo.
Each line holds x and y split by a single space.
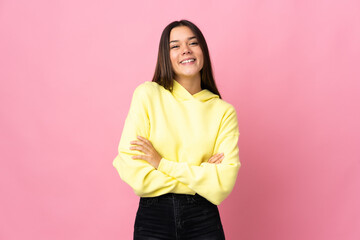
144 179
212 181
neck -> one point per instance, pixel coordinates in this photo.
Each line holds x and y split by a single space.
191 84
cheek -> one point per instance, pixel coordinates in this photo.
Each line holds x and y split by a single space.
201 57
202 61
173 59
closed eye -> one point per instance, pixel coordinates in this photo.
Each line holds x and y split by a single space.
193 43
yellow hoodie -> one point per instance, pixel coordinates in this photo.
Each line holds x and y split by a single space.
186 130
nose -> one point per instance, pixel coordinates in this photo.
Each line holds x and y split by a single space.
186 49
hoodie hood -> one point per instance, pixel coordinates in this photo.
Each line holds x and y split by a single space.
182 94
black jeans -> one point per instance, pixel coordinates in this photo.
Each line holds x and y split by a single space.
177 216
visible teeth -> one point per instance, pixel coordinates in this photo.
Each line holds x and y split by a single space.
186 61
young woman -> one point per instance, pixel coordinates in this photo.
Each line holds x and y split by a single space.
178 150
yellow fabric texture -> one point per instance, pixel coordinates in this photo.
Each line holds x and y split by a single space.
186 130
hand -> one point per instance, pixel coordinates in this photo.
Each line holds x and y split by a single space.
145 146
216 158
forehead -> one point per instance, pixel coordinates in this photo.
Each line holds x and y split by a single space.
181 33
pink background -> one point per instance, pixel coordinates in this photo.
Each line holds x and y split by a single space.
290 68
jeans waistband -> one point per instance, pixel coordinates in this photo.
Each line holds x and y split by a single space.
177 196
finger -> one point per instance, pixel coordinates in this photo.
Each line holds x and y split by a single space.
143 146
139 143
216 162
144 139
141 157
219 156
134 142
214 158
147 144
139 148
218 159
144 142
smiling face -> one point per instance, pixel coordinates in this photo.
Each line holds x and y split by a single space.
183 46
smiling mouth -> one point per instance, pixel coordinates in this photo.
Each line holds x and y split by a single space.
189 61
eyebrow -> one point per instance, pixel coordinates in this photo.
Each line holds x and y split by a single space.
178 40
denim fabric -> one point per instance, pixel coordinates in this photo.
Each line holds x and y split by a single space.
177 217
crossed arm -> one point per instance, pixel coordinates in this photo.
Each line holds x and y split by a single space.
153 175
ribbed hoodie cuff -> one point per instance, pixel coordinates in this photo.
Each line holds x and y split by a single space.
165 166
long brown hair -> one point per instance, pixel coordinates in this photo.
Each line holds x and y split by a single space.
163 71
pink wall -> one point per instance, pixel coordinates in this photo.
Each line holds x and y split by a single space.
290 68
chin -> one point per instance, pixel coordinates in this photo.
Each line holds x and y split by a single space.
189 74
